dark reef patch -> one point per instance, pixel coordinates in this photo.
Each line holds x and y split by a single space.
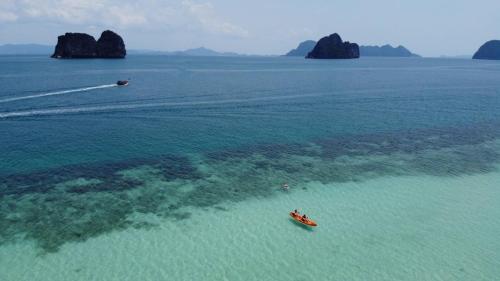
170 167
78 202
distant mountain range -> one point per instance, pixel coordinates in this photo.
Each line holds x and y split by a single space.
37 49
365 51
303 49
200 52
385 51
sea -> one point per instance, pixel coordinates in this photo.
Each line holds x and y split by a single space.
179 175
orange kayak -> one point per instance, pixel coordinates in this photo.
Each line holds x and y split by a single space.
298 218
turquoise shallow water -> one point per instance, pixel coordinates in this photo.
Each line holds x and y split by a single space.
177 176
414 228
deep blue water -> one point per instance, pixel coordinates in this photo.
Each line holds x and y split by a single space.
178 105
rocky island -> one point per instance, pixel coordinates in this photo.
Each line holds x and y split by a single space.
364 51
488 51
81 45
332 47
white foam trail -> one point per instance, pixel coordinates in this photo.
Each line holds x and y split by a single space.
143 105
58 93
146 105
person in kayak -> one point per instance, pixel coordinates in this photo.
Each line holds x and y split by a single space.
295 212
304 217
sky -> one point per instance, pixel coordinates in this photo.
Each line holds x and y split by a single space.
265 27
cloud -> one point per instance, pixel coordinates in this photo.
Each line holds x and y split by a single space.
6 16
7 13
151 14
126 16
205 14
66 11
83 12
303 32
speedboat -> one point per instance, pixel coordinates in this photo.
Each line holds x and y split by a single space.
122 82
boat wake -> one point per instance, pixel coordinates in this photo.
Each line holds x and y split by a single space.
114 107
129 106
58 93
